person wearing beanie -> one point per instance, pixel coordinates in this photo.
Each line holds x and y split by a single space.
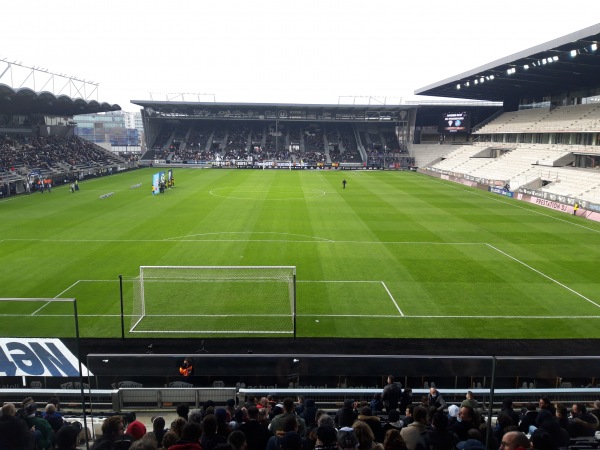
44 434
326 438
136 429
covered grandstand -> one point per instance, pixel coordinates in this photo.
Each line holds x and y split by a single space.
544 145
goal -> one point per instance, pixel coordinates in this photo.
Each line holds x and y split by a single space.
215 300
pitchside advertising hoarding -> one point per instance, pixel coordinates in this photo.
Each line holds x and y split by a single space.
38 357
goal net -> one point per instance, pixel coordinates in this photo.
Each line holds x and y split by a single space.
215 300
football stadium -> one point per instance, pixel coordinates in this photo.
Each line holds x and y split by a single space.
312 250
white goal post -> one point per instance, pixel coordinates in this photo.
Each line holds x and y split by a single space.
215 300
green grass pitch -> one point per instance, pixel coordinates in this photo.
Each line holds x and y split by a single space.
394 255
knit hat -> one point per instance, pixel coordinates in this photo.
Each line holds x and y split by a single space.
347 439
137 429
30 409
453 410
327 435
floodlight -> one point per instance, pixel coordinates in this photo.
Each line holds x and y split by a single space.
526 66
573 53
481 80
476 81
491 77
458 86
544 61
467 84
594 47
555 58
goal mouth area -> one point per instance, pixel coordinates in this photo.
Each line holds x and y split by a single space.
215 300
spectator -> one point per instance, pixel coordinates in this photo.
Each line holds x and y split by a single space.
546 422
405 400
465 422
470 401
66 438
170 438
14 432
596 411
440 437
528 419
365 436
309 412
393 441
257 434
210 438
136 429
514 440
237 440
44 434
435 399
374 422
346 415
391 394
326 438
545 403
376 404
415 434
583 423
190 437
288 410
290 424
158 428
112 428
507 408
53 417
394 422
183 410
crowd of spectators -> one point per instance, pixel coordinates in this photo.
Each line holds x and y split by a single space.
284 142
47 153
393 420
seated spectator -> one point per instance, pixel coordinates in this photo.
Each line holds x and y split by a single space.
596 410
440 437
210 437
158 428
528 418
288 410
190 437
112 428
346 415
44 434
394 422
466 421
53 417
507 408
237 440
136 429
470 401
514 440
170 438
326 438
415 434
14 432
374 422
66 438
365 436
546 422
257 434
393 441
582 422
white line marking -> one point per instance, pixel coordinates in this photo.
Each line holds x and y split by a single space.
56 296
502 200
392 297
545 276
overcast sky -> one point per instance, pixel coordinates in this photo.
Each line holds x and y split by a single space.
302 51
